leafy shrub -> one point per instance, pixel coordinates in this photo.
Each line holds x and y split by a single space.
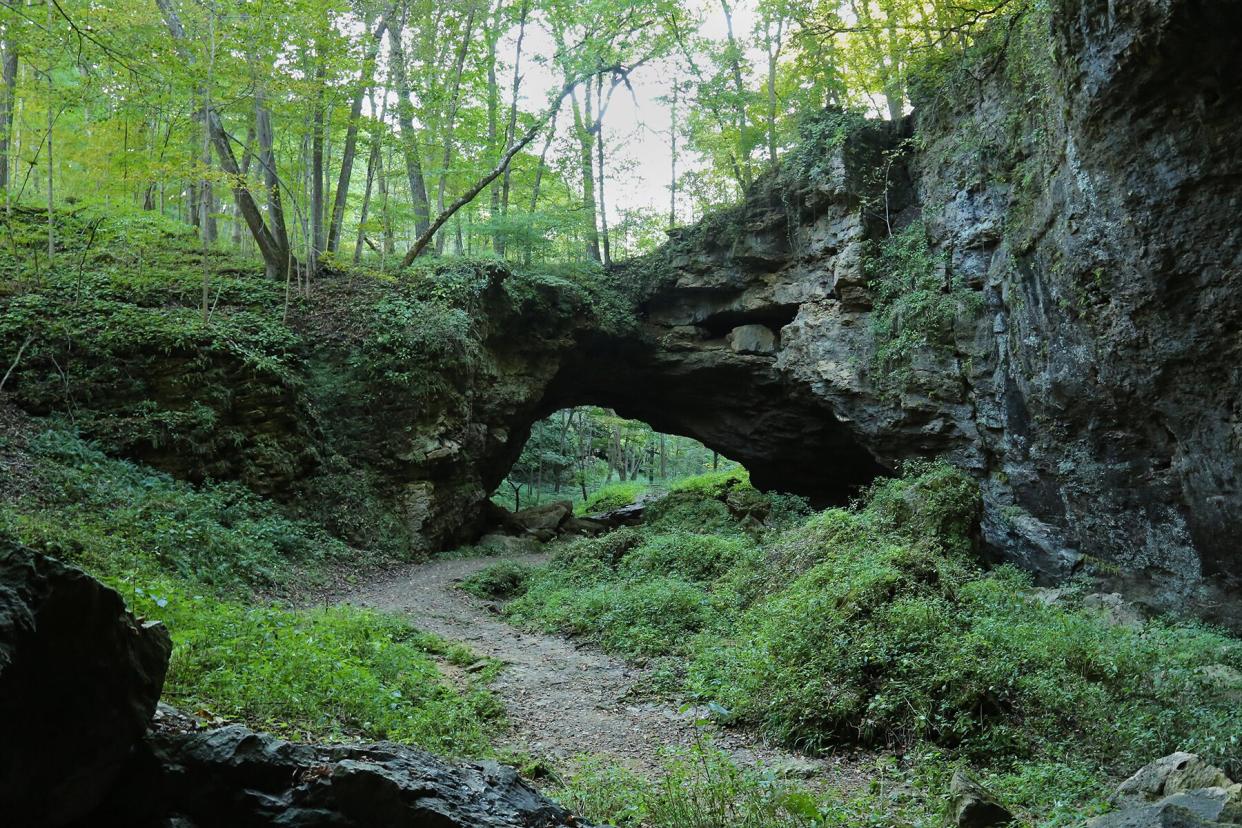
917 300
691 556
118 519
501 581
611 497
875 625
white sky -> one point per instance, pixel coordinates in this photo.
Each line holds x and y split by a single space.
636 127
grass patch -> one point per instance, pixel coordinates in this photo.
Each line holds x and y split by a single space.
330 674
499 581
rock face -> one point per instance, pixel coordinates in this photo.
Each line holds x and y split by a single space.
1080 199
235 777
1179 790
79 681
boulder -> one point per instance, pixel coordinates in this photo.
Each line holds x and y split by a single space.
974 806
752 339
79 681
543 521
1178 790
233 776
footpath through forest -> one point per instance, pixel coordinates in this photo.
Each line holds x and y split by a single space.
562 698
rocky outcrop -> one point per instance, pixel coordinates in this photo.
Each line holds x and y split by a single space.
1179 790
79 681
1074 196
233 776
974 806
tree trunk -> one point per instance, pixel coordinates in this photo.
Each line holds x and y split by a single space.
451 118
247 159
493 124
586 162
511 129
207 212
317 240
365 76
8 96
409 139
271 183
599 152
672 141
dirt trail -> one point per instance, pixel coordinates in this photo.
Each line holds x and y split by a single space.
562 699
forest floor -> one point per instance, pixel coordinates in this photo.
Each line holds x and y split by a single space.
564 699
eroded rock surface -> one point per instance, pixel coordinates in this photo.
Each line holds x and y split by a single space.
79 681
233 776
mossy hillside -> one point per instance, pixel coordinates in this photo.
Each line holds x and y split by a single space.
364 384
207 561
876 626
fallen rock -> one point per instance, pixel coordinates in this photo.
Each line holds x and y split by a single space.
1115 609
79 681
542 521
1178 791
752 339
974 806
1172 774
233 776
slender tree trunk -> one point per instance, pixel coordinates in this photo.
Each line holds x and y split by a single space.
511 129
278 261
51 217
672 141
773 46
451 118
207 211
317 240
247 160
8 96
409 139
365 76
739 86
606 243
582 122
493 125
390 244
373 161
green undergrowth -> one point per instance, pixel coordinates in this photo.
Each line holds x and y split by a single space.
876 627
207 560
612 497
329 674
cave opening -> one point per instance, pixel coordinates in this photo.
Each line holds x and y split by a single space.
599 461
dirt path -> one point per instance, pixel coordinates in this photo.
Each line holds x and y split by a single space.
562 699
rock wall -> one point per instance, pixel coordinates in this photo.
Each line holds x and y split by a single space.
1080 184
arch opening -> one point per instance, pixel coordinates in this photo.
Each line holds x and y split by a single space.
600 461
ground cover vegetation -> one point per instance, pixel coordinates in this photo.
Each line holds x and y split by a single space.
875 626
208 562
